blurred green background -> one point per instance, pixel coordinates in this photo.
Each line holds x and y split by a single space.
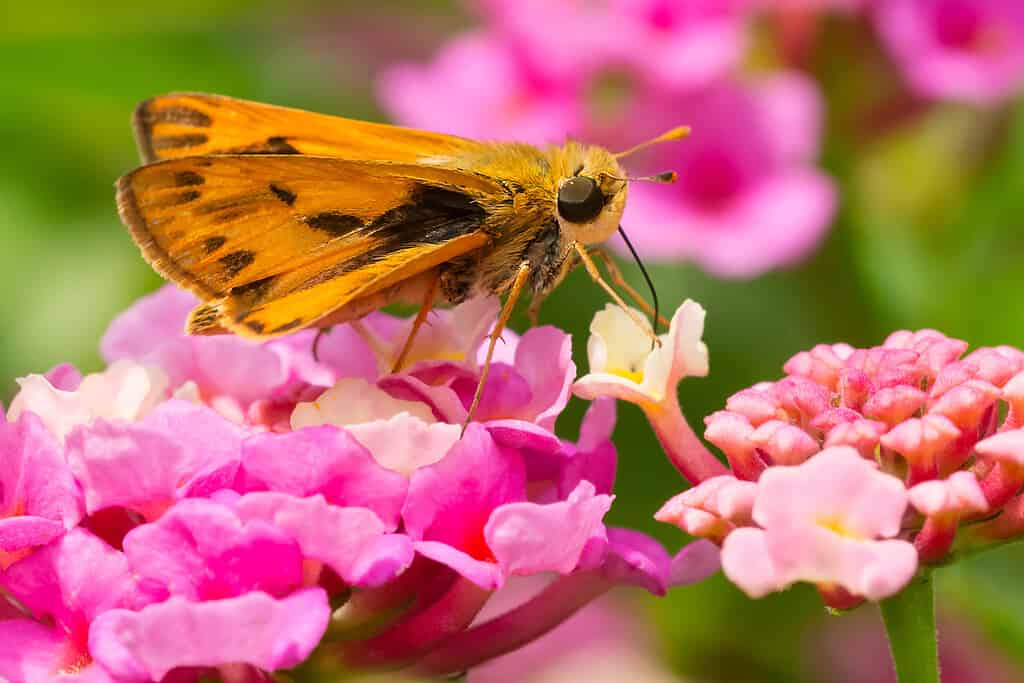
929 234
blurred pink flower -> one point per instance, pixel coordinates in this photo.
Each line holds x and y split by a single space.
478 87
969 50
686 44
748 199
222 517
830 521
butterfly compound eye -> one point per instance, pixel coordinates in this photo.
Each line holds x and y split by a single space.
580 200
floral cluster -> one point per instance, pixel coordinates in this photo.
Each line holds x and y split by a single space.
618 72
210 507
852 472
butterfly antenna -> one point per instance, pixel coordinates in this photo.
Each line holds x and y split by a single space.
674 134
643 271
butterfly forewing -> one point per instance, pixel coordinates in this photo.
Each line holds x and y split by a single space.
192 124
275 243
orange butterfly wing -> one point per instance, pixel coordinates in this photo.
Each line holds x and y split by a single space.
191 124
276 243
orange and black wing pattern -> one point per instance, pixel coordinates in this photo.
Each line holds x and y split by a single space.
193 124
274 243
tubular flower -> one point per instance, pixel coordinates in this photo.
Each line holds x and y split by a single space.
208 507
861 465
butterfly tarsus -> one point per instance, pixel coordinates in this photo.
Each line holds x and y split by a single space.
522 274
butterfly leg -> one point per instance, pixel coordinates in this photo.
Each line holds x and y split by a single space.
619 281
595 274
506 312
421 318
323 331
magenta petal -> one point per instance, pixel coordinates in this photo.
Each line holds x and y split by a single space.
64 377
695 562
17 533
637 559
71 579
527 538
451 500
150 322
523 435
253 629
594 457
35 481
351 540
202 550
544 360
324 460
483 573
33 653
125 465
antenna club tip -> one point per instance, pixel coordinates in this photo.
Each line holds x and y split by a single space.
667 177
679 133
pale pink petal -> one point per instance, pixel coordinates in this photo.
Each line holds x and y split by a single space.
253 629
960 493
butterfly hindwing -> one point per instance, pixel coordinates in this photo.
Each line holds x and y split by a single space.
191 124
275 243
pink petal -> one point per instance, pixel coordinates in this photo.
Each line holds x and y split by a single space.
253 629
351 540
203 551
324 460
527 538
72 579
452 500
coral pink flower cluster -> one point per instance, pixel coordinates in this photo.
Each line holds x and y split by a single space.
862 465
206 506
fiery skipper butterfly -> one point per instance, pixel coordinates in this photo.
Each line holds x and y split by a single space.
281 219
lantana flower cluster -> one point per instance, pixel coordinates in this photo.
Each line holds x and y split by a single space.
853 472
618 72
210 507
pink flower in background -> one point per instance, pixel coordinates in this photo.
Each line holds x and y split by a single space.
686 44
748 198
478 87
224 501
913 421
969 50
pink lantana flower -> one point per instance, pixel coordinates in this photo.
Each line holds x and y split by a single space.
969 50
748 198
830 521
912 420
243 507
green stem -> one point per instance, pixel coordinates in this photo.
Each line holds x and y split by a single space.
910 624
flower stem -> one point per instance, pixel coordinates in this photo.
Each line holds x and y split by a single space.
910 624
684 450
556 603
